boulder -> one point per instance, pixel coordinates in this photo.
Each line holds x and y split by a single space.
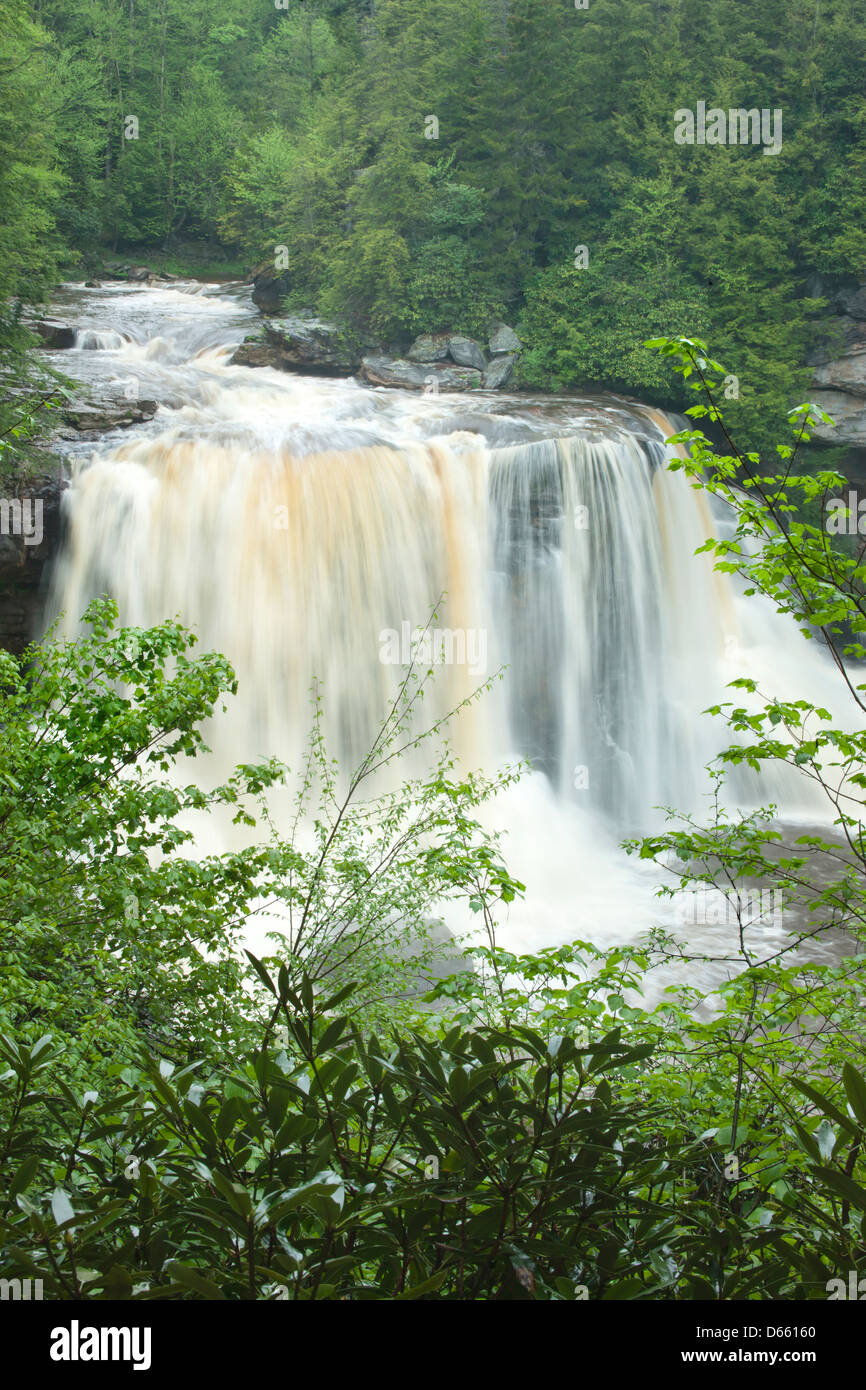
412 376
503 339
466 352
93 284
297 344
54 334
101 415
255 352
140 272
500 371
429 347
269 291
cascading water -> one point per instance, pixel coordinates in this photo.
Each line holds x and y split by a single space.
306 528
99 340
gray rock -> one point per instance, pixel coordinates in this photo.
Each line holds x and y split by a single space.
299 344
849 413
391 371
834 337
853 302
503 339
255 352
269 291
22 565
429 347
500 371
847 373
466 352
140 272
54 334
99 416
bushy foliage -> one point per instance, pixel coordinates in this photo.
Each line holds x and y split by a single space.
112 931
437 167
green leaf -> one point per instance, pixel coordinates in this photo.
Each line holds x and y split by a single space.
844 1186
261 972
61 1207
24 1175
825 1105
192 1279
855 1090
419 1290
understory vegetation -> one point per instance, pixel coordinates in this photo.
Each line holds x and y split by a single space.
333 1119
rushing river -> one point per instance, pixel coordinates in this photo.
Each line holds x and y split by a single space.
306 527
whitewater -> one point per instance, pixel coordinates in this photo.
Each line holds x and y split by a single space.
308 528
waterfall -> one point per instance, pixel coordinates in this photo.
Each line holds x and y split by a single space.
99 340
307 529
603 636
563 560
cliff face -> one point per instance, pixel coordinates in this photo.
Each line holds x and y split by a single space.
29 539
839 361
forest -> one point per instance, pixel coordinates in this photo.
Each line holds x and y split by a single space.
430 167
432 861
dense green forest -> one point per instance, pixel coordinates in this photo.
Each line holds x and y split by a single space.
430 167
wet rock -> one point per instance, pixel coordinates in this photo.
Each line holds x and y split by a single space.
101 415
54 334
93 284
298 344
500 371
140 272
412 376
269 291
429 347
29 538
503 339
254 351
466 352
